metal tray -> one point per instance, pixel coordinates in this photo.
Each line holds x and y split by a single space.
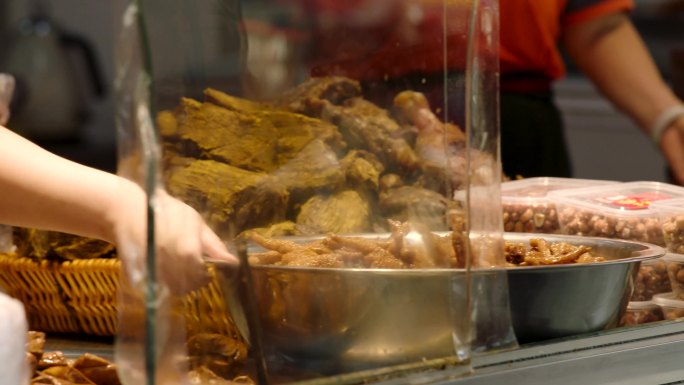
339 320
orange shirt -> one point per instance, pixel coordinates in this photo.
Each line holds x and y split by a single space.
531 29
372 40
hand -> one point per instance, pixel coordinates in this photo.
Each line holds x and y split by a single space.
672 146
181 236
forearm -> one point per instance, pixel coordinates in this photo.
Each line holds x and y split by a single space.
610 51
39 189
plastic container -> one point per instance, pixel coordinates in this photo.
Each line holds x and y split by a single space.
675 272
672 308
526 205
671 214
651 279
641 312
614 211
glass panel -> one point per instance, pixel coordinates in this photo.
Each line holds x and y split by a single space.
324 143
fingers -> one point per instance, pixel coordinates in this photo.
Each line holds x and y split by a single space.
179 242
182 240
213 247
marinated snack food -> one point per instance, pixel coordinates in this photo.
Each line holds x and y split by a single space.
53 368
641 312
671 214
410 246
672 308
615 211
527 207
651 279
213 359
287 166
675 272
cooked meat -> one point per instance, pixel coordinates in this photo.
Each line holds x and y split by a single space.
441 147
204 376
256 140
306 97
541 252
233 198
97 369
36 344
362 170
414 107
55 245
221 354
313 170
65 375
342 212
366 126
415 204
409 246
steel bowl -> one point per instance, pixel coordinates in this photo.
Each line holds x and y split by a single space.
337 320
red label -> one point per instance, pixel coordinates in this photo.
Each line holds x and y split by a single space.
633 202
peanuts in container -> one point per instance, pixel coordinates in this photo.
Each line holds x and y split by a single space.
672 308
675 272
641 312
671 213
619 210
527 208
651 279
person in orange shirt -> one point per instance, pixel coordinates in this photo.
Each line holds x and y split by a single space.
601 40
400 46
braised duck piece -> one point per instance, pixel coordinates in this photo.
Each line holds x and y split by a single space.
409 246
36 344
364 125
42 244
220 354
252 140
97 369
314 169
204 376
50 359
343 212
62 375
306 97
234 198
415 204
541 252
441 147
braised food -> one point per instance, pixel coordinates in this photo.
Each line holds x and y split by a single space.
410 246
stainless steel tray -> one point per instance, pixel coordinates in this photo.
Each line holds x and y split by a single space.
339 320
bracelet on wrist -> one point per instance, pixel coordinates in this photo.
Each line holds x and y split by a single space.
665 119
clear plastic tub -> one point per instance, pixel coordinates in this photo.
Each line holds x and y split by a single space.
614 211
527 208
641 312
675 272
671 213
651 279
672 308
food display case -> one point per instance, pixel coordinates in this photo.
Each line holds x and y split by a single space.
323 144
346 154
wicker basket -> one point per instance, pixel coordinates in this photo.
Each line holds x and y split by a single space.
80 297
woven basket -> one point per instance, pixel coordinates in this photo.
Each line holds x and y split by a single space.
80 297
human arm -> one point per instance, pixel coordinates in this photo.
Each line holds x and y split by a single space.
611 53
41 190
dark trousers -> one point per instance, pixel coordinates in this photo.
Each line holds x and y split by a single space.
532 137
